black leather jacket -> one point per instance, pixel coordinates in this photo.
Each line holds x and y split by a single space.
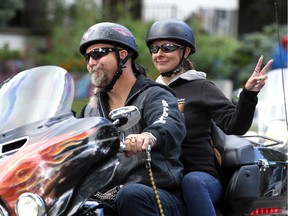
159 116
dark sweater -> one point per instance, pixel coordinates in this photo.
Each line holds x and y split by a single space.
201 102
160 116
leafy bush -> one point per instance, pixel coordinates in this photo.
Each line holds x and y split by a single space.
6 53
254 45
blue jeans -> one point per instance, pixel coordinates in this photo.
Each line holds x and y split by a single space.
138 199
200 192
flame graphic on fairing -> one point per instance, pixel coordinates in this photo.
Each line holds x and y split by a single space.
37 167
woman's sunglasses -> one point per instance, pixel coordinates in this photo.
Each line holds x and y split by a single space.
166 48
97 53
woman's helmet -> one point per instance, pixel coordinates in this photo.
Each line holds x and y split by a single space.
111 33
172 29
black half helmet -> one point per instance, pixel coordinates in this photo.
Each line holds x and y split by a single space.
171 29
112 33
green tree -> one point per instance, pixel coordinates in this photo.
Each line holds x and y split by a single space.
8 9
70 23
114 10
253 45
213 52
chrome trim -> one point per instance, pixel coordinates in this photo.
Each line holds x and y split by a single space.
3 211
264 164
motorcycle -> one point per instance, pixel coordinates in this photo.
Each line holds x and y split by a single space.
268 187
255 175
52 163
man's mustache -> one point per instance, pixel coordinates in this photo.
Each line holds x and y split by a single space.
94 69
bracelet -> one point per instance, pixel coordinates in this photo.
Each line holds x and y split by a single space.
152 137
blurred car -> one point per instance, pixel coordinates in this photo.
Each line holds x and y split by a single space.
270 117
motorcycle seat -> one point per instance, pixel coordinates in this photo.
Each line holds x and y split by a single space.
237 152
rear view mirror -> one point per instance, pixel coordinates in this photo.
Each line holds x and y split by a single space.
125 117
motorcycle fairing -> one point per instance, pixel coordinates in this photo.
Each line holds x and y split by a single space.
54 163
58 150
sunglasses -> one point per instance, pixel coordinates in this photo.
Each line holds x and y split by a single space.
166 48
97 53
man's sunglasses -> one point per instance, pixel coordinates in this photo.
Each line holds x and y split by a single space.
166 48
97 53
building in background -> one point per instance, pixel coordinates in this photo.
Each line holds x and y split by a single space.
182 9
219 16
220 21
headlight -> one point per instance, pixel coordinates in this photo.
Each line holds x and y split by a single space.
29 204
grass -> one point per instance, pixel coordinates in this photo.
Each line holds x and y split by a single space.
78 104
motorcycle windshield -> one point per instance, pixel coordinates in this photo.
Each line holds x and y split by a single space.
34 95
271 103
